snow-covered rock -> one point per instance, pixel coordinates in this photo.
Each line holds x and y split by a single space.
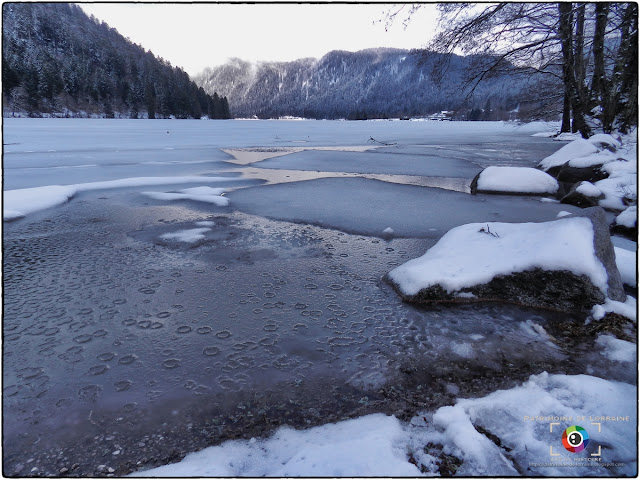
514 180
609 164
567 264
583 194
628 218
604 140
627 223
577 148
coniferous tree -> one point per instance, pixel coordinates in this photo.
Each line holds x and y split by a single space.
56 59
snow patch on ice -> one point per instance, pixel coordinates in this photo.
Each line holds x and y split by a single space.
28 200
196 194
462 349
187 236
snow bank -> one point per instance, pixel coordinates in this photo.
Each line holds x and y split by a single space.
517 180
592 159
616 188
577 148
617 350
381 446
621 166
369 446
604 139
24 201
468 255
626 261
628 218
18 203
626 309
511 416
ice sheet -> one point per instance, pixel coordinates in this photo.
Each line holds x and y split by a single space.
370 206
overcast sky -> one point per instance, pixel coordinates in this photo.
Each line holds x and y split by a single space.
195 36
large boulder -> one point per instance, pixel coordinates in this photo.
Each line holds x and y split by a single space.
566 265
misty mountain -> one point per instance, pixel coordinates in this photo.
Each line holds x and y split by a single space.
57 60
366 84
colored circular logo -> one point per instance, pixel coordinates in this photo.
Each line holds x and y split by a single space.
575 439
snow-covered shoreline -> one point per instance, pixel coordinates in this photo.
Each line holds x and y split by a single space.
509 432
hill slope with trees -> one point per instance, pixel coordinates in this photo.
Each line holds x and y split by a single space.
373 83
58 61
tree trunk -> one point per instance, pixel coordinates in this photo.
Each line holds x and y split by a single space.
568 69
626 71
578 56
566 113
599 83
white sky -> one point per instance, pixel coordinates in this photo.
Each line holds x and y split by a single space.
195 36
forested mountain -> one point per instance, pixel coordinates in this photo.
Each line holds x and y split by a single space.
374 83
57 60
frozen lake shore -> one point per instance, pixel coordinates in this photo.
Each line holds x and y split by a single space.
125 334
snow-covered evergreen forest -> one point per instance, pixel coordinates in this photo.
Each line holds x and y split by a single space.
57 61
373 83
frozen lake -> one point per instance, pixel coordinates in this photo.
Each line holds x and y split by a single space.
119 337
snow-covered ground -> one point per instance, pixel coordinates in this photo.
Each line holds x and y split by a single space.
138 296
518 437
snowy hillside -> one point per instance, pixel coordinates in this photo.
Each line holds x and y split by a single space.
369 83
